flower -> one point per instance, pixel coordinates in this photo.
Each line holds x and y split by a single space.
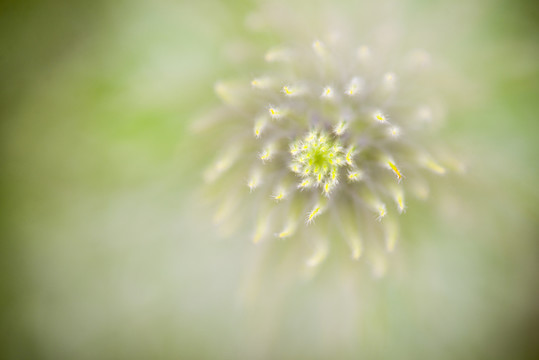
325 142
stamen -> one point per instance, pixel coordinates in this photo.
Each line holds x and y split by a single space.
315 212
379 116
395 170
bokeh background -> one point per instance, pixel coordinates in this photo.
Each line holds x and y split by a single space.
108 252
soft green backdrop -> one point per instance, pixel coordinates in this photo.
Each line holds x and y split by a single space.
106 253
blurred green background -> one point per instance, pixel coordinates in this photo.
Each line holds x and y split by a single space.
107 253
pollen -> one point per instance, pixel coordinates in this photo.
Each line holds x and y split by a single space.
353 87
340 128
354 175
266 154
394 131
395 170
275 112
400 203
254 181
381 211
279 194
349 155
284 234
261 83
327 92
295 167
287 90
333 175
287 231
316 211
292 90
379 116
305 184
328 187
260 124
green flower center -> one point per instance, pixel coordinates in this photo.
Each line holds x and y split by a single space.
317 159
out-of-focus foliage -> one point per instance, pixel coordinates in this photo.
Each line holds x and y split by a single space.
106 253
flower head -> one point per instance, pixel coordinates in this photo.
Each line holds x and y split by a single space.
328 131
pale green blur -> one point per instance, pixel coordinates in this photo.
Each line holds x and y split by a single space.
108 252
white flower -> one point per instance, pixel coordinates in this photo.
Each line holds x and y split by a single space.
327 132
